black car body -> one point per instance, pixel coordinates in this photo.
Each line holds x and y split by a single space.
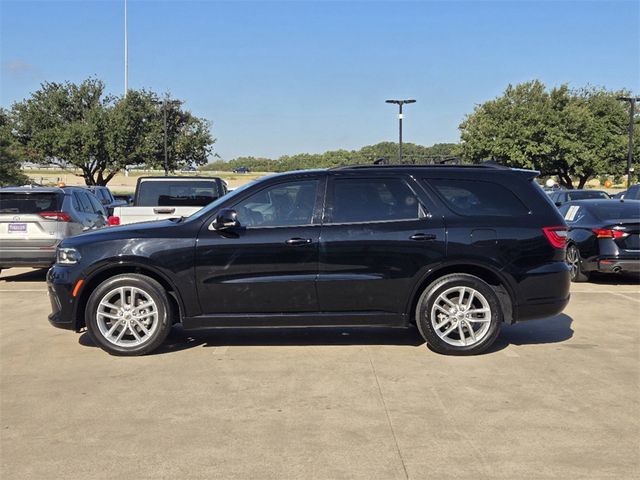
358 246
561 197
604 236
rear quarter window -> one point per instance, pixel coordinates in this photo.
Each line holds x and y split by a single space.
477 198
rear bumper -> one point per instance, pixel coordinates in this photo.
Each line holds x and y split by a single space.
617 265
27 257
544 292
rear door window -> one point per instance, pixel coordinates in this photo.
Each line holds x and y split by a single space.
357 200
83 202
95 204
477 198
28 203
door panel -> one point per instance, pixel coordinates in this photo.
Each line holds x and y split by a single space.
383 244
269 264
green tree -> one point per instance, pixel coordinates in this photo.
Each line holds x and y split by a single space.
77 125
571 134
11 155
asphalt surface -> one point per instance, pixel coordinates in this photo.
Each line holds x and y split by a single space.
555 398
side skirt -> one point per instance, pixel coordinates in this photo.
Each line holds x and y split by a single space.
306 319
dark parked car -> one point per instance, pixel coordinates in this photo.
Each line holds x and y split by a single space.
34 220
241 170
604 236
455 250
633 193
562 196
106 198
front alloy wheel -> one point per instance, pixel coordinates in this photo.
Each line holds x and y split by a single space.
128 315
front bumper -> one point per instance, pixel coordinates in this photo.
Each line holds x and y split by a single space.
63 304
27 257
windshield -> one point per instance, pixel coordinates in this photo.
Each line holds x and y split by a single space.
212 206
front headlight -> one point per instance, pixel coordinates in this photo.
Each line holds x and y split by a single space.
67 256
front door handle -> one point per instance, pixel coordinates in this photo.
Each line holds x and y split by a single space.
421 237
298 241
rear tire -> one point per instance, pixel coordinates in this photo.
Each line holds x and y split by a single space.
459 314
128 315
575 265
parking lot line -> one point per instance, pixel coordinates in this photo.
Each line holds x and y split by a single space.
627 296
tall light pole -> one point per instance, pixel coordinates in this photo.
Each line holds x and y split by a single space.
126 49
632 107
400 103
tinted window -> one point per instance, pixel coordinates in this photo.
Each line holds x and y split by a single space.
475 198
159 193
95 204
286 204
633 193
104 196
83 201
616 210
575 213
584 194
25 203
372 200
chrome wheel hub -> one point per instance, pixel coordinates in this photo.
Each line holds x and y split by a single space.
127 317
461 316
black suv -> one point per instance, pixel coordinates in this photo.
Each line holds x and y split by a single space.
454 250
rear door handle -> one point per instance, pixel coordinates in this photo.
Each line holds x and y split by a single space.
298 241
421 237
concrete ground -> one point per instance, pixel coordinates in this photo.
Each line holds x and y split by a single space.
555 398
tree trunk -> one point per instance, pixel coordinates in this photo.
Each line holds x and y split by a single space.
582 180
565 180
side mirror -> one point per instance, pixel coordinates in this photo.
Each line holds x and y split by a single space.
226 219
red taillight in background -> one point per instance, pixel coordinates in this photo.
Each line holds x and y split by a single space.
57 216
557 236
113 221
609 233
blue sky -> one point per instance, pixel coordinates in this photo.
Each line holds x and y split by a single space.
280 78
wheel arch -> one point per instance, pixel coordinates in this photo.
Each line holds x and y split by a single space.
484 272
111 270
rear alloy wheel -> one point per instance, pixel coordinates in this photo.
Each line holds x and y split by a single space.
459 314
575 265
128 315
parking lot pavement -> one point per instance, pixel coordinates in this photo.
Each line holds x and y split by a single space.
555 398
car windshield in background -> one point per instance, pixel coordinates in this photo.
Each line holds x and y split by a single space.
29 203
163 193
617 210
585 194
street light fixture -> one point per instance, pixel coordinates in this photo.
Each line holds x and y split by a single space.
632 106
400 103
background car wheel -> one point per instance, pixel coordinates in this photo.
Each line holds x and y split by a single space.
459 314
575 265
128 315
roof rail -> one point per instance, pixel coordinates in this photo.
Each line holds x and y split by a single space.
492 165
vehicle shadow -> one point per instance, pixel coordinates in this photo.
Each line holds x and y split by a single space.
35 275
551 330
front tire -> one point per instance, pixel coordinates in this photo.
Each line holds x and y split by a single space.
128 315
459 314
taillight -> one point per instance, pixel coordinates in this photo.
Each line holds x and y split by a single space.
557 236
113 221
57 216
609 233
